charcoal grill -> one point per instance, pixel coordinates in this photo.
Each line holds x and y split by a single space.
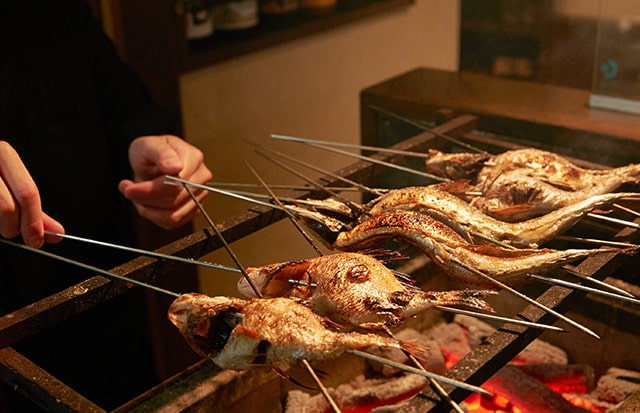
203 387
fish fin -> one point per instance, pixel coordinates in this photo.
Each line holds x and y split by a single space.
333 325
290 378
405 279
416 350
457 187
384 255
471 298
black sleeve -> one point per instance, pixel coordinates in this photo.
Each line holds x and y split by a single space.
127 107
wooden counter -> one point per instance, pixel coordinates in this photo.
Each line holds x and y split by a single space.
543 115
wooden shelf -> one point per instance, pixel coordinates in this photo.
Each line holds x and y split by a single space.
224 45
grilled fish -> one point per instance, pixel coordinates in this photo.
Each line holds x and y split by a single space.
468 220
557 171
546 166
277 332
355 289
458 258
521 184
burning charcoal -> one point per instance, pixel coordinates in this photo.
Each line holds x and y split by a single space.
561 378
617 384
541 352
527 393
477 330
452 339
359 393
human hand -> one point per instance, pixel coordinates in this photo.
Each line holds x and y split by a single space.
20 207
153 157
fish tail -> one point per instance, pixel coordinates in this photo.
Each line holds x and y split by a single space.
416 350
469 298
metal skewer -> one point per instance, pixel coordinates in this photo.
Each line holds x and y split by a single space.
350 204
90 268
612 288
596 241
173 180
493 317
292 217
224 242
629 210
614 220
279 186
354 184
437 388
530 300
455 310
145 252
549 280
352 146
426 128
419 372
434 384
473 270
305 363
619 291
377 161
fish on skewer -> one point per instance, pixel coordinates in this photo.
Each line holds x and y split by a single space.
458 258
520 184
277 332
547 166
433 200
355 289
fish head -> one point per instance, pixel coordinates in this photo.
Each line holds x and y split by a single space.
455 166
284 279
206 322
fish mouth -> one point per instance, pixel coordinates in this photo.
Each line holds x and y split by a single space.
205 322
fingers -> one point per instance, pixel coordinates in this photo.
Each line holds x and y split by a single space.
20 208
153 157
174 217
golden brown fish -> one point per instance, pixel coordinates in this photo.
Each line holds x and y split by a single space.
465 219
557 171
355 289
276 332
547 166
525 183
456 257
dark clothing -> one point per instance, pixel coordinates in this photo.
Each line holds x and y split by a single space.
70 108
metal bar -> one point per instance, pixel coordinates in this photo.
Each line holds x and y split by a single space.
40 387
499 348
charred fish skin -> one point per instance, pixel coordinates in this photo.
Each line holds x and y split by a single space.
526 183
355 289
462 217
557 170
456 257
516 196
276 332
544 165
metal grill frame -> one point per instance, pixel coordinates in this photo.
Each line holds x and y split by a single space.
53 395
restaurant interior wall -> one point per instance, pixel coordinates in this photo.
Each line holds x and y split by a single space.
307 88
